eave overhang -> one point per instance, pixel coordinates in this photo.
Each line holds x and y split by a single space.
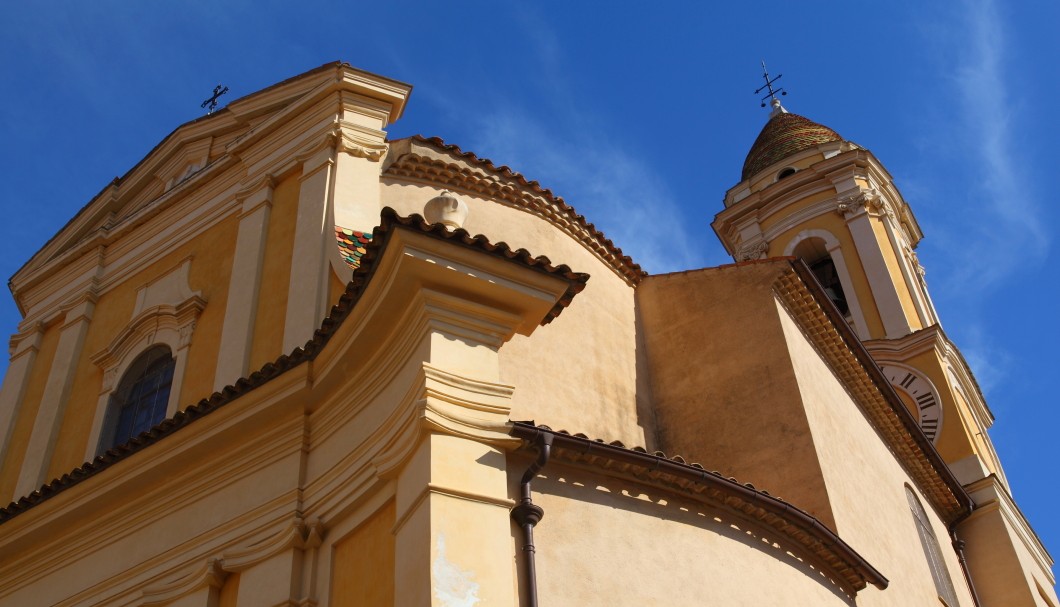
419 159
406 257
833 338
842 562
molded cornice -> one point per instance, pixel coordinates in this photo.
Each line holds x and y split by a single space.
822 324
422 160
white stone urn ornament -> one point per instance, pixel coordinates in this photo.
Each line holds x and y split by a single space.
446 209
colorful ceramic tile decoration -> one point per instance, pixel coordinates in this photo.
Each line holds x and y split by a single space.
352 245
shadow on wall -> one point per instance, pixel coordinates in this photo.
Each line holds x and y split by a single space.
586 513
646 416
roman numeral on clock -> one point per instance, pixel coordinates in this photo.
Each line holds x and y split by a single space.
925 401
908 381
930 427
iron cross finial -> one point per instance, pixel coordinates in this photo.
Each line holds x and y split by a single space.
212 101
769 85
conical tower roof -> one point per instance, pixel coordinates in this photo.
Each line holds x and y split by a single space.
785 134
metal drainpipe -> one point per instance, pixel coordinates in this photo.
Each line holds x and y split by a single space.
527 514
958 545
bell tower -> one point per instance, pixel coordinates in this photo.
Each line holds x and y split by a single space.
805 191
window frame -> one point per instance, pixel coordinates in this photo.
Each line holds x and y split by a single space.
166 312
116 406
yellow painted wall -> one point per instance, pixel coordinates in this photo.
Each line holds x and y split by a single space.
772 220
768 178
597 377
866 484
362 564
607 541
335 289
955 440
712 403
276 274
211 254
38 378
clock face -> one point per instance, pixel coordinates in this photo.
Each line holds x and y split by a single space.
918 392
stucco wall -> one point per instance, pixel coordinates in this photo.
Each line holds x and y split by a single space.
866 484
584 372
605 541
724 386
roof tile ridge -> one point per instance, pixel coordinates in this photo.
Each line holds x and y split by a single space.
537 188
362 275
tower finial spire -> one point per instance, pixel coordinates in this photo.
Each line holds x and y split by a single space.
772 94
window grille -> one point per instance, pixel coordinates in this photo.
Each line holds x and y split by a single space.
141 398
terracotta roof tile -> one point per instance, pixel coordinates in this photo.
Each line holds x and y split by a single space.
798 527
785 134
562 213
362 275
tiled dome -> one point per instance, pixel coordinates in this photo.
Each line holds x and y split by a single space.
785 134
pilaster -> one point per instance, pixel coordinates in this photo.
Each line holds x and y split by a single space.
23 354
858 209
243 285
56 394
307 291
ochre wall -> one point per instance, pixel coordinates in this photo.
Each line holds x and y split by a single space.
211 262
583 372
362 564
725 392
605 541
866 485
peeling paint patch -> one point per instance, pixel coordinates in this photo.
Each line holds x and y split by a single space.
453 586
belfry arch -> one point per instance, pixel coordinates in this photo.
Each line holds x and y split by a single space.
822 249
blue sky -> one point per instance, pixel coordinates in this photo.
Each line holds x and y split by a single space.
637 114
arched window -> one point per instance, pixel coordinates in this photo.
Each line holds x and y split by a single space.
939 574
141 398
814 252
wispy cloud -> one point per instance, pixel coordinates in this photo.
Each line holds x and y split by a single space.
553 138
998 199
992 366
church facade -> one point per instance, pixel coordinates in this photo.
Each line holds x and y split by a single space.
286 360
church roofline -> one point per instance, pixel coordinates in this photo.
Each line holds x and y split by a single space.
405 163
232 116
800 527
362 277
894 421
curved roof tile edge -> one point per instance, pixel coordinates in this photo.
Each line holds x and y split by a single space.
857 571
629 267
389 220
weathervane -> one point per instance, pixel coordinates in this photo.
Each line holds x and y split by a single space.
769 85
221 90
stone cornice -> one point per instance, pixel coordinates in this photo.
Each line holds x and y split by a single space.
991 495
799 292
421 160
791 525
836 174
536 291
